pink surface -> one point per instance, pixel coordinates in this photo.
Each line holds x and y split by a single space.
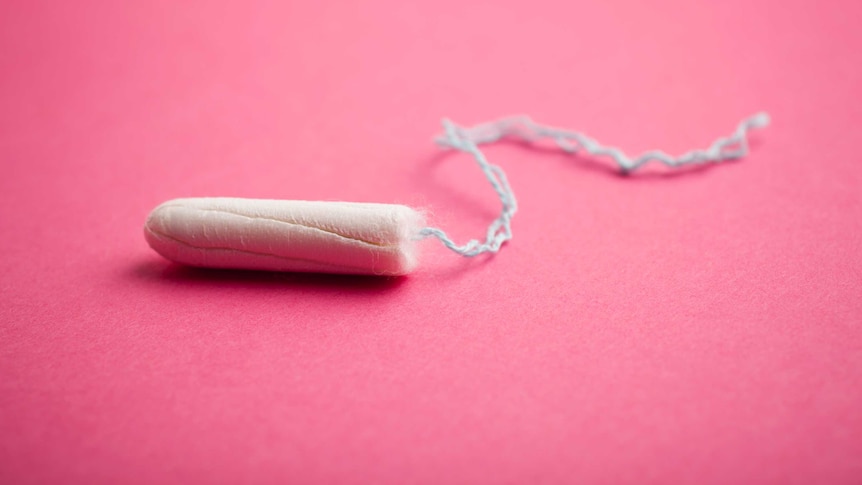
695 328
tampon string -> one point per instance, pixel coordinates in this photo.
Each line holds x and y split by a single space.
523 128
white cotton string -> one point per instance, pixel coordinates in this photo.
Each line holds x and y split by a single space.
523 128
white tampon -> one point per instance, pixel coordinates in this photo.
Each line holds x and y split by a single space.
359 238
282 235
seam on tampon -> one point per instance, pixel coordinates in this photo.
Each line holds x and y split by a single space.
327 231
277 256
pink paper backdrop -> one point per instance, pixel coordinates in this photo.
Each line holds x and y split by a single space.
703 327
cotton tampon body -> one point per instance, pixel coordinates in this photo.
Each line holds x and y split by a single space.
283 235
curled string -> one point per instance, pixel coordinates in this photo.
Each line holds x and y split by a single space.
523 128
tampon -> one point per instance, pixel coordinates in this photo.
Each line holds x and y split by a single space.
343 237
282 235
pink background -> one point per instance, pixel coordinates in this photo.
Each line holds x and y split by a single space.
703 327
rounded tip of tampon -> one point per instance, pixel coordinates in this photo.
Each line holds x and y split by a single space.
154 231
